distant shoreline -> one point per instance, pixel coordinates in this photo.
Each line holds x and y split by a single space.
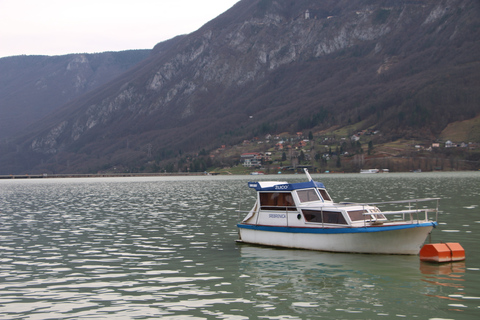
98 175
164 174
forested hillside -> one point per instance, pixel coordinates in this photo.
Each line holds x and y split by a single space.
407 69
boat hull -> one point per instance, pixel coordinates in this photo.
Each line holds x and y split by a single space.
400 239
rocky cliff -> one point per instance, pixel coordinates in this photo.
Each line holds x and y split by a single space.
407 67
33 86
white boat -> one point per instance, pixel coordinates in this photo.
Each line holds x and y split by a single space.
369 171
304 216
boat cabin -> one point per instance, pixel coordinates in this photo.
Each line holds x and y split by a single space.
297 204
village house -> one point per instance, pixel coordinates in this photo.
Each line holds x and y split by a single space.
251 159
355 138
302 144
449 144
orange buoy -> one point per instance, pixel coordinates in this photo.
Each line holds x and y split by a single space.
442 252
458 253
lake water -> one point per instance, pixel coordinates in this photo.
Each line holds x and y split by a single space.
149 248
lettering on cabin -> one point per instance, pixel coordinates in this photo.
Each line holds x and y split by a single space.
281 187
277 215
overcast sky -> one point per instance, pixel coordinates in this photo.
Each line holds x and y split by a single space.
58 27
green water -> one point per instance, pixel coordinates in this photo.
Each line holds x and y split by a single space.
150 248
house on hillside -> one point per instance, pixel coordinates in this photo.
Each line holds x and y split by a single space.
251 159
449 144
302 144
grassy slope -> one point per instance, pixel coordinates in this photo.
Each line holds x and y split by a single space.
462 131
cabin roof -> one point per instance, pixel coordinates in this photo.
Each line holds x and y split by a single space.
283 186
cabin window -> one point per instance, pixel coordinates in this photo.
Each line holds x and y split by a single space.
328 216
276 201
308 195
378 216
325 195
357 215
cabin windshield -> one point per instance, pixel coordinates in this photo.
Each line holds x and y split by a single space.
276 201
324 194
308 195
378 216
357 215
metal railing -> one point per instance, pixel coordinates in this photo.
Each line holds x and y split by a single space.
409 211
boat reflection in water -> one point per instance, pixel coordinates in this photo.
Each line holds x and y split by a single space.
333 282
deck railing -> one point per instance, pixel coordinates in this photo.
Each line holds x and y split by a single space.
412 203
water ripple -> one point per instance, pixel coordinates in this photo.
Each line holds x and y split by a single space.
144 248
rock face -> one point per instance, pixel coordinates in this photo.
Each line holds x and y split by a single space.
271 64
33 86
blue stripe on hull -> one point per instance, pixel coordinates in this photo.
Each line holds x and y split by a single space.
334 230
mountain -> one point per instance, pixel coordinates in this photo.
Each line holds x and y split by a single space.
33 86
406 68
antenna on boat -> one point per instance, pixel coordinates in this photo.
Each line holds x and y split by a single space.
308 174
